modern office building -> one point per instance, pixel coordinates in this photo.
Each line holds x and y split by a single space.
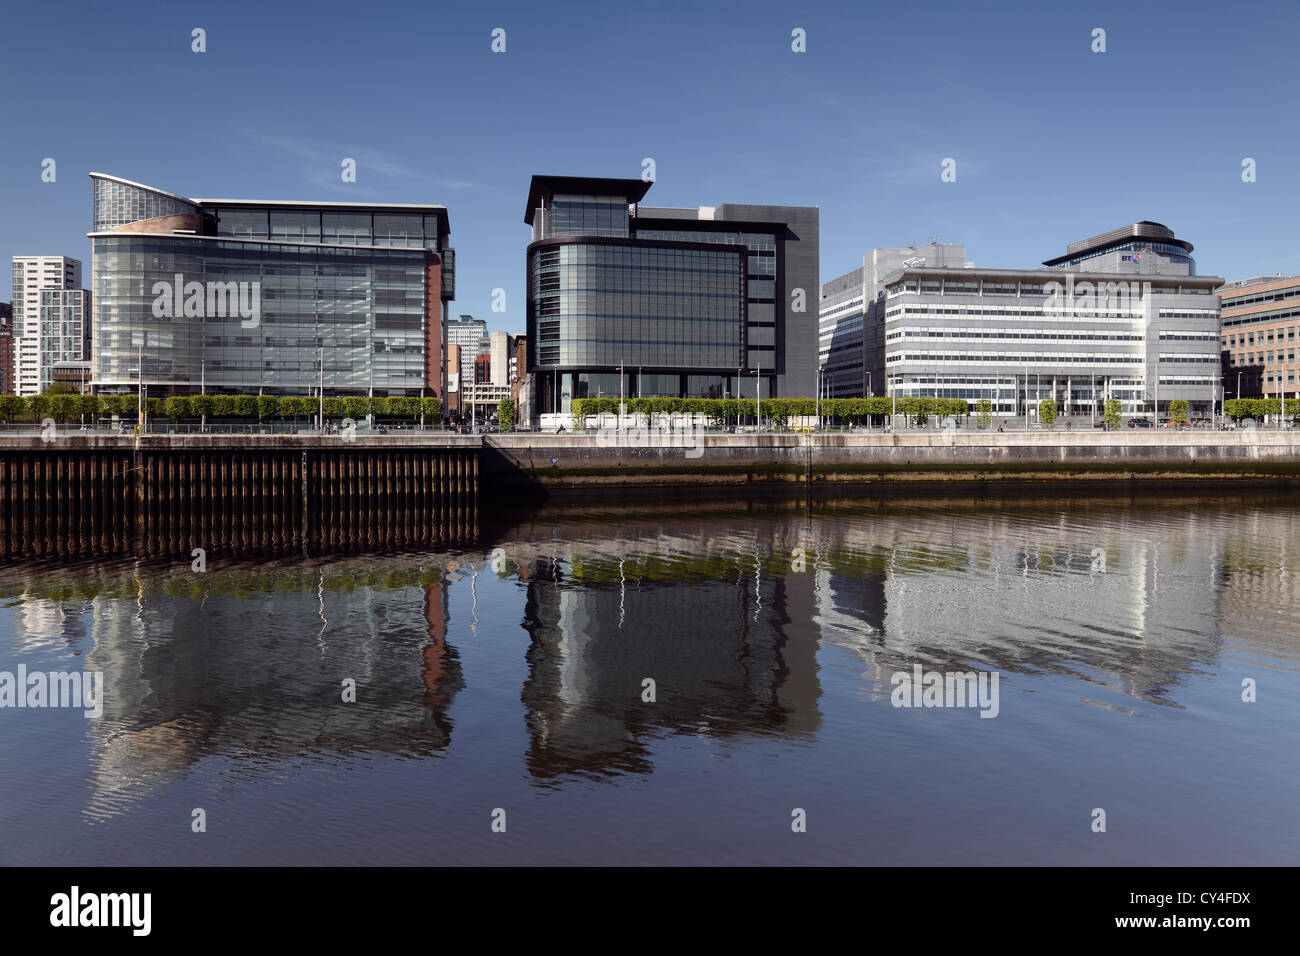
851 324
1122 315
1260 319
628 299
240 295
33 277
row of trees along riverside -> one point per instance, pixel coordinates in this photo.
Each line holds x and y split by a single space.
1257 408
64 407
778 412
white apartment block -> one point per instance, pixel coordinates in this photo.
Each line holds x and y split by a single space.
34 352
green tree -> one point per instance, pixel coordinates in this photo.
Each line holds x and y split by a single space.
12 408
268 406
354 406
295 406
506 415
401 406
63 406
1111 416
179 408
1047 412
432 410
984 412
61 388
118 405
1178 412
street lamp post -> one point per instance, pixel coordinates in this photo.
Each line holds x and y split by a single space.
1026 396
139 378
818 402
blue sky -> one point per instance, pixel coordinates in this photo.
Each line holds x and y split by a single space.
1052 141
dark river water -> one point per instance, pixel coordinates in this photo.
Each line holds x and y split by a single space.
506 682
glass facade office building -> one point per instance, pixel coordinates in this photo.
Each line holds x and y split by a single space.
643 302
253 296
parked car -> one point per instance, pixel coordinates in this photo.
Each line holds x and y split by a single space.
1140 423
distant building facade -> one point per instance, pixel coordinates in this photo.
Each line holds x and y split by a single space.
455 383
471 335
65 331
46 289
1260 322
499 351
6 348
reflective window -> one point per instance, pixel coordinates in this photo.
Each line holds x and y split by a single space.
612 304
295 226
243 223
346 228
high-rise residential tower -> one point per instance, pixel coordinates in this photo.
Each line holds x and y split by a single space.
47 289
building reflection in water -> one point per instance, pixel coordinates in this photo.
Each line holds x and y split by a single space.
725 642
1120 603
250 667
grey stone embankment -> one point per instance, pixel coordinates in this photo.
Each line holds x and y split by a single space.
541 464
589 463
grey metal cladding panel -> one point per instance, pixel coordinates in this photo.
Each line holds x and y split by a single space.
850 280
667 212
753 213
802 271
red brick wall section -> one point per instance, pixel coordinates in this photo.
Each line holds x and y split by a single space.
433 350
6 364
